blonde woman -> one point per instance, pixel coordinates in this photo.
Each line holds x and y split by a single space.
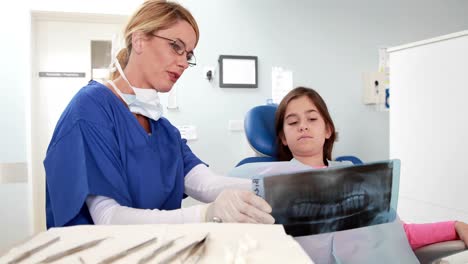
114 159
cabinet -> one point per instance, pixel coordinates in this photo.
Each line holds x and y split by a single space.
429 127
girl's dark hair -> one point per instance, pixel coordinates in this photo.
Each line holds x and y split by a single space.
284 153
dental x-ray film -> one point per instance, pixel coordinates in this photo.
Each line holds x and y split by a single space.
332 199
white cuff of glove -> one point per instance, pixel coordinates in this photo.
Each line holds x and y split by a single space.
202 184
106 211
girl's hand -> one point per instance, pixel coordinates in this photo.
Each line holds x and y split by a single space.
462 231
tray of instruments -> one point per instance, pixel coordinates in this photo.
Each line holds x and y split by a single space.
187 243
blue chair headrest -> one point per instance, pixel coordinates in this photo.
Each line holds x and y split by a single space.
259 125
355 160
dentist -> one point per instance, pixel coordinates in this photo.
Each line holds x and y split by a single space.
113 158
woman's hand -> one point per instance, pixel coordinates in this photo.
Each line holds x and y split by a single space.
239 206
462 231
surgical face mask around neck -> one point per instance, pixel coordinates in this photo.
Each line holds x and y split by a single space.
144 102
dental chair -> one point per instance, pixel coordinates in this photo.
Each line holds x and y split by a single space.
259 126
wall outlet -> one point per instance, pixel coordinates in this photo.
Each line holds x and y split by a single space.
236 125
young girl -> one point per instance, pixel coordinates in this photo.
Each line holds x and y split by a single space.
306 133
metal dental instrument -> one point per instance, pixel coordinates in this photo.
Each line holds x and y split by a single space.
156 251
125 252
183 249
34 250
197 251
72 250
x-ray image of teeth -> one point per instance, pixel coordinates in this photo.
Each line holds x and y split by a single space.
332 199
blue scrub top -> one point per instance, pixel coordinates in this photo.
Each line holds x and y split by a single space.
99 148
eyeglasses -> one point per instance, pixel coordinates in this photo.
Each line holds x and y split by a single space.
179 47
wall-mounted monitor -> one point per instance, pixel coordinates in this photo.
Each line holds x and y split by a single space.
238 71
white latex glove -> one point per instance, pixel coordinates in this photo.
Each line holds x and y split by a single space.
240 206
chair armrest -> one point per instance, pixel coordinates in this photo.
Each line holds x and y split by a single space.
430 253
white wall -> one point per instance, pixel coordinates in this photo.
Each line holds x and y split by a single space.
15 221
14 75
326 44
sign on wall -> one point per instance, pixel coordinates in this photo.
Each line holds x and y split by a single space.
63 74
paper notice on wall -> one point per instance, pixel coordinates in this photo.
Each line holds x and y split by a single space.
384 67
383 60
281 83
188 132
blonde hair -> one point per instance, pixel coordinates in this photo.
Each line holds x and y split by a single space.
153 15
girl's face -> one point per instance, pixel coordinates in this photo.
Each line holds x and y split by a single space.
304 128
160 64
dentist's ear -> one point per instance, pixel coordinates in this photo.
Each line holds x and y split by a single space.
137 41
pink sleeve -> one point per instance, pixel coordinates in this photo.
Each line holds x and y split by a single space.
424 234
